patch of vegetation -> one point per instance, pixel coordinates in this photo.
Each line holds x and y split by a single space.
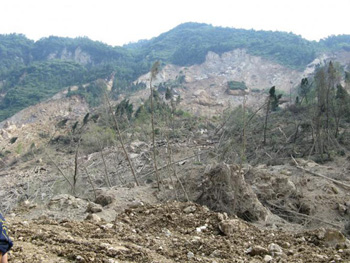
236 85
13 140
92 93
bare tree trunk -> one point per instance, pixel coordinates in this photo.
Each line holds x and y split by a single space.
154 72
75 175
243 133
170 160
108 181
60 170
90 181
266 118
121 141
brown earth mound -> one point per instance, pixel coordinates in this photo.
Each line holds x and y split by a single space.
171 232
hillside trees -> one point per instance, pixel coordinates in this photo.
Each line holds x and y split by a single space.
189 43
332 105
272 103
341 107
304 90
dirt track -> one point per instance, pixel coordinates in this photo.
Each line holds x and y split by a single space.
174 232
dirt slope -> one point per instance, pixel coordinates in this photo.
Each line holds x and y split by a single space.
171 232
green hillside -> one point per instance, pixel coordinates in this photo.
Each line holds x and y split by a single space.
33 71
189 43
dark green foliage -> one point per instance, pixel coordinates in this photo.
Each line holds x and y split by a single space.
341 93
93 93
342 103
304 89
189 43
13 140
347 77
336 42
168 94
123 86
62 123
161 109
41 80
236 85
86 118
14 52
124 109
274 99
75 125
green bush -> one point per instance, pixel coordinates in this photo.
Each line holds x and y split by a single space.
236 85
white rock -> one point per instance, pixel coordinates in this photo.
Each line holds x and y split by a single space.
107 226
268 258
190 255
275 249
201 228
79 258
25 223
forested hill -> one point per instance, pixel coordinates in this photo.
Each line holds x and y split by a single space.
32 71
189 43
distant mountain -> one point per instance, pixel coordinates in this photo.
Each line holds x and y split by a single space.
33 71
188 44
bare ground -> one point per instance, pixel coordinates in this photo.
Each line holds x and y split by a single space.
170 232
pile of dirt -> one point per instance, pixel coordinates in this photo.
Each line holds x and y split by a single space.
225 190
170 232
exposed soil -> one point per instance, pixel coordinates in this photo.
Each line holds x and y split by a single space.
295 215
171 232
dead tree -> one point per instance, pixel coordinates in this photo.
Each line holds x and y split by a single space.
116 126
154 72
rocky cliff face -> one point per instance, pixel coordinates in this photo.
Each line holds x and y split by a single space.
78 56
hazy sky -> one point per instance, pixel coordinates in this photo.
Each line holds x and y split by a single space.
118 22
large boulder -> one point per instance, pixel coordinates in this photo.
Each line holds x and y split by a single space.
225 190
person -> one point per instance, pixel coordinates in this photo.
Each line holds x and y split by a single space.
5 241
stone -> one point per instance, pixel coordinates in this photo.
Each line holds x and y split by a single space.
104 199
311 164
201 228
190 209
93 208
257 251
342 209
107 226
275 250
222 216
190 255
80 259
93 217
334 238
235 193
135 204
268 258
231 226
25 223
167 232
